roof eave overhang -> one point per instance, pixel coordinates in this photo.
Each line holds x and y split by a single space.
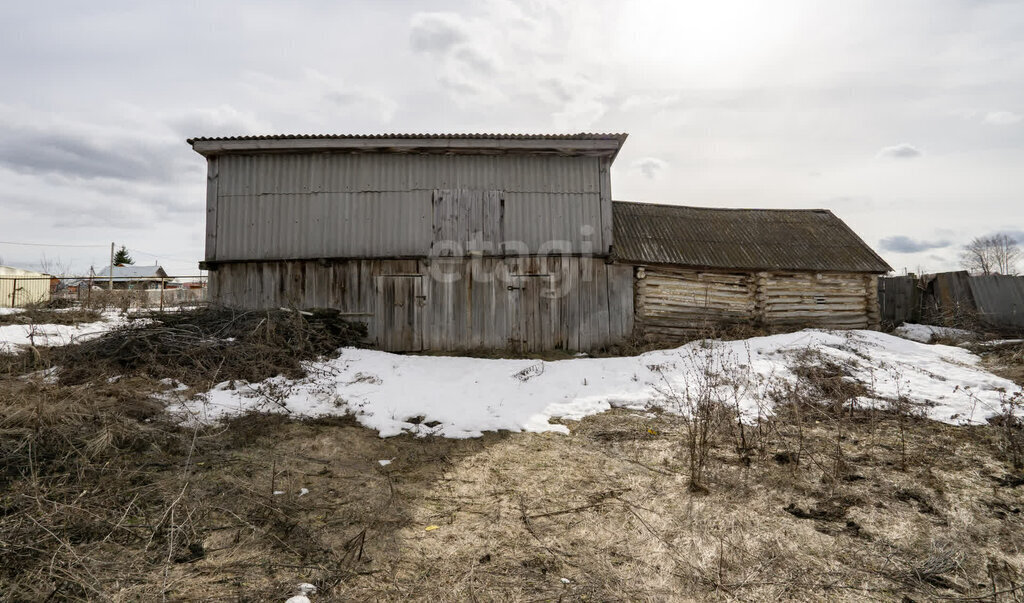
707 268
598 146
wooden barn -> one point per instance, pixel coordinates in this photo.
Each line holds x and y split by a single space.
698 268
462 242
437 242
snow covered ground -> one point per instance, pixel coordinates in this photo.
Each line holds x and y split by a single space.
13 337
925 333
461 397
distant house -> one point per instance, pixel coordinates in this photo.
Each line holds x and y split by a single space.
23 287
700 267
131 277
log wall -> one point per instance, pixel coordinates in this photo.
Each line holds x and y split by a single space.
674 304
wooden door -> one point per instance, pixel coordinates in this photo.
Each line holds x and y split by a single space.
532 313
467 221
398 313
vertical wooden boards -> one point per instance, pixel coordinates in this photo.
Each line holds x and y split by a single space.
605 183
620 301
565 280
533 313
492 222
557 302
899 299
212 172
592 291
874 316
467 221
515 337
398 313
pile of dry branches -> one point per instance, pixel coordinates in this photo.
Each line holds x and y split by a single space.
211 345
39 315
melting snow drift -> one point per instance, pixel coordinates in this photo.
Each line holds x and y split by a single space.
460 397
16 336
925 333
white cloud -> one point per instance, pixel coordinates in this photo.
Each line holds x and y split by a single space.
744 99
1002 118
437 32
649 102
503 57
222 120
900 151
322 97
650 167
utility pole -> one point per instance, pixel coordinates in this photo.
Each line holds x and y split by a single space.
111 266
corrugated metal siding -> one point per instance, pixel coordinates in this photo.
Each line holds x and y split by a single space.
999 299
527 304
285 206
22 287
739 239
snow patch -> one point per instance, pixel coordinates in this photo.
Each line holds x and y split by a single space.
459 397
14 337
927 333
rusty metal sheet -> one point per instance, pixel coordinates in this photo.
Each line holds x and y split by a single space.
747 239
999 299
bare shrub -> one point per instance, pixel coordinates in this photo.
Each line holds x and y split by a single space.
1011 429
711 390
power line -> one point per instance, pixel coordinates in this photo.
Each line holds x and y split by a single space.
158 256
46 244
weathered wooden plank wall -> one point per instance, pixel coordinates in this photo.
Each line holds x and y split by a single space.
834 301
672 304
676 302
899 299
526 304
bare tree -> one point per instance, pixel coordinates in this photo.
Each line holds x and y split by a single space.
995 254
54 266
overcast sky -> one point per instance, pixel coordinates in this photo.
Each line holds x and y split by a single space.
904 118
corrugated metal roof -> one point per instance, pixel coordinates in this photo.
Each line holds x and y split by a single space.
121 272
13 271
476 136
750 239
606 145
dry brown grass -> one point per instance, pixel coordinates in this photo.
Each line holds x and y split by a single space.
44 315
1005 360
602 514
103 498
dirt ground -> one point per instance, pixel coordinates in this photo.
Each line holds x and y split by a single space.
102 497
602 514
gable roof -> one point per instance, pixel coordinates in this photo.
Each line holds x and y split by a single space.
132 272
749 239
14 271
565 144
